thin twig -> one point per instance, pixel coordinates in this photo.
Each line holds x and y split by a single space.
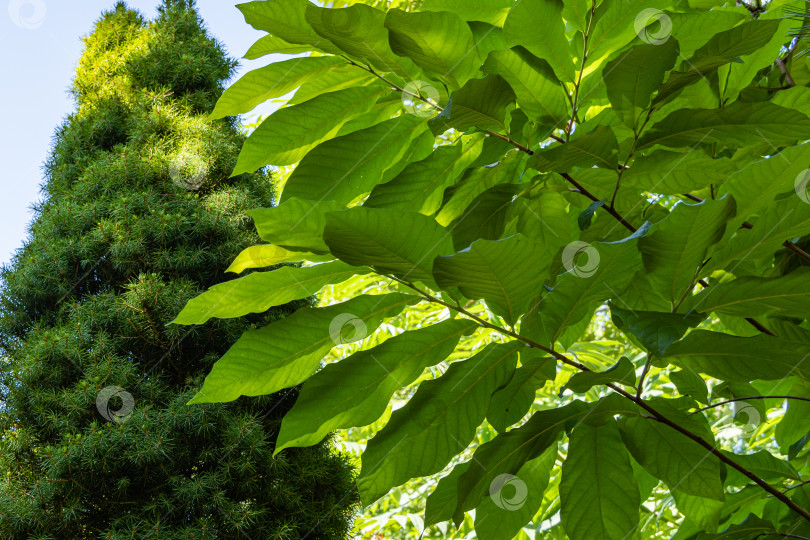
643 376
721 403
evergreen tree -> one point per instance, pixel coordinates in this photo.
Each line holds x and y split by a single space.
138 216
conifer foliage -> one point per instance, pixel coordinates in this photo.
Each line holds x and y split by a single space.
138 216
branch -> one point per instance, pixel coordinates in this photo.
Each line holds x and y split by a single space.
721 403
638 401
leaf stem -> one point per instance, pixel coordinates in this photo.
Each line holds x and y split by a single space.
646 370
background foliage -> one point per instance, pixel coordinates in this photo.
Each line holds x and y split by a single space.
573 236
139 215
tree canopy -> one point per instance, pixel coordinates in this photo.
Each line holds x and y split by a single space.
588 222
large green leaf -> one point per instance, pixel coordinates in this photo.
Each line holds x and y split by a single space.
289 350
486 217
273 45
420 185
274 80
703 512
654 330
480 103
598 147
359 31
437 41
259 291
742 71
782 220
677 247
738 124
355 392
538 25
787 296
437 423
505 273
607 272
633 76
286 20
345 167
390 241
295 224
289 133
539 93
672 457
545 220
794 426
488 11
623 372
512 402
266 255
598 494
672 173
740 359
514 500
722 48
508 452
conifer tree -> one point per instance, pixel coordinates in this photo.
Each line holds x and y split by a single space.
138 216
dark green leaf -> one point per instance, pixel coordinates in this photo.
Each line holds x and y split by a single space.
598 147
479 104
623 372
655 330
512 402
523 27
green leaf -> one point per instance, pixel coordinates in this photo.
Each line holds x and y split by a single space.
295 224
539 93
285 20
420 185
576 13
738 124
741 72
442 501
522 27
763 464
598 494
690 383
703 512
437 423
633 76
607 272
623 372
489 11
439 42
273 45
259 291
783 219
514 500
671 456
750 529
338 78
359 31
672 173
289 133
505 273
755 186
722 48
508 452
793 425
739 359
585 218
268 255
486 217
259 85
480 104
598 147
545 220
287 351
390 241
675 250
655 330
512 402
355 392
615 24
787 296
345 167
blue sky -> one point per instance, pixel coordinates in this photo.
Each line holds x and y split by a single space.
40 42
